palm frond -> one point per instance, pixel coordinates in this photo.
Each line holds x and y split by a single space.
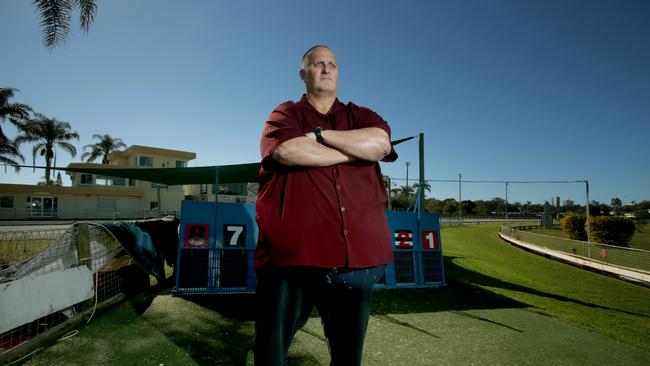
67 147
88 9
90 156
55 20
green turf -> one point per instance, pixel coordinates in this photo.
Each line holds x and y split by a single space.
502 306
641 238
603 304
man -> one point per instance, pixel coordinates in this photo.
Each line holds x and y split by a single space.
323 235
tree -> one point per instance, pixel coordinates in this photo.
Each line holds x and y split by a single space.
9 152
16 113
47 133
106 145
406 190
574 226
425 185
611 230
56 16
617 205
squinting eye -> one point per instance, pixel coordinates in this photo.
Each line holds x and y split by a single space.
332 65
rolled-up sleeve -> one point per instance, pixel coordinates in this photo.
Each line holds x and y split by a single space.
280 127
369 118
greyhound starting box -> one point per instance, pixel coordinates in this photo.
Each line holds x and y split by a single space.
217 245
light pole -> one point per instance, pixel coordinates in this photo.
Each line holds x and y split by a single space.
408 163
506 201
460 200
587 207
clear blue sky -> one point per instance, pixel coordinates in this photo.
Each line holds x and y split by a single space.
502 90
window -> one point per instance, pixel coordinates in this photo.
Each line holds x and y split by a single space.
102 180
204 189
86 179
153 205
132 182
7 202
104 203
181 164
144 161
118 181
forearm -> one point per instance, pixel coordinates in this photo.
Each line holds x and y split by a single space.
370 144
305 151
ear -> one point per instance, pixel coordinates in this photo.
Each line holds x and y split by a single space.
302 74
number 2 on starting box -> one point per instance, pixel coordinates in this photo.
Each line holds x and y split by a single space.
430 240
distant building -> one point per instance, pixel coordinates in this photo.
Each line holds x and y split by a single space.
93 196
555 201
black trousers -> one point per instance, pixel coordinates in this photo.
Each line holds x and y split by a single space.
286 297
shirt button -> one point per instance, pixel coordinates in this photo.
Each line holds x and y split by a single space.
345 232
338 186
342 209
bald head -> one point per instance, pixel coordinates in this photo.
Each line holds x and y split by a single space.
306 57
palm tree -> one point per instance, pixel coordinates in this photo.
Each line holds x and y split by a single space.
406 190
425 185
56 18
16 113
617 205
105 146
8 152
47 133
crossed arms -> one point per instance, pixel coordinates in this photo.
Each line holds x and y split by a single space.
369 144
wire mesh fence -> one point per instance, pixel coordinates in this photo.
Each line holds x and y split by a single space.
636 259
33 256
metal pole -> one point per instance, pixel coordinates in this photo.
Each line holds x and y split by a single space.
460 200
408 163
421 190
390 205
506 201
588 226
158 196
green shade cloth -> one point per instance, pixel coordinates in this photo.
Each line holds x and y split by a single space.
239 173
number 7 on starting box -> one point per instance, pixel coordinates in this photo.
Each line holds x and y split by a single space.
430 240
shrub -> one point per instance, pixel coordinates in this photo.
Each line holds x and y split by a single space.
612 230
574 226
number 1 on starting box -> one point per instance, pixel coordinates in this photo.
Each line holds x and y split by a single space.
430 240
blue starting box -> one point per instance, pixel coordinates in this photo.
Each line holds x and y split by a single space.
217 245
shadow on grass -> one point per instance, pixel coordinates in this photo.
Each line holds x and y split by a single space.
211 329
475 279
221 328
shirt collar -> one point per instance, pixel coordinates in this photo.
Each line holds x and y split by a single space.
336 107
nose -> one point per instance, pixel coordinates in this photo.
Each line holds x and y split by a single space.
326 69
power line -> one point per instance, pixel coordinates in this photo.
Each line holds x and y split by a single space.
501 181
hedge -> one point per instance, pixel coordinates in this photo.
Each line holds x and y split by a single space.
612 230
574 226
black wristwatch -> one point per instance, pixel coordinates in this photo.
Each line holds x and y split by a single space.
319 137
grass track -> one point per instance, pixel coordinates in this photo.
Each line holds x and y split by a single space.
503 306
600 303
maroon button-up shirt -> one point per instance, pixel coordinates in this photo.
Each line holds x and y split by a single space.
323 217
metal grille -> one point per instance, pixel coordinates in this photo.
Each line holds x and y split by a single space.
234 268
194 264
404 268
631 258
431 266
